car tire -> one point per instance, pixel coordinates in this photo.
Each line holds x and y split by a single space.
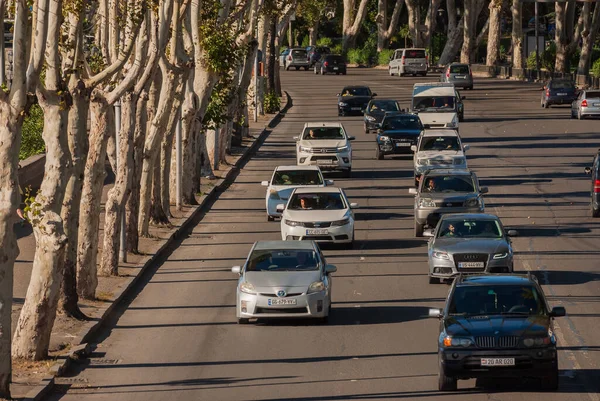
350 245
378 154
550 382
419 229
573 116
461 118
446 383
243 320
580 116
348 173
595 212
434 280
324 320
306 68
270 218
390 72
316 71
424 74
367 131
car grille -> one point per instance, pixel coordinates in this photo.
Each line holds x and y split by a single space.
324 150
471 257
281 310
318 225
449 204
266 294
439 162
496 342
333 158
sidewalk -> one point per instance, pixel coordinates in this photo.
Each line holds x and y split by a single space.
68 333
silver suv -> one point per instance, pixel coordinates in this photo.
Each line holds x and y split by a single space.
446 191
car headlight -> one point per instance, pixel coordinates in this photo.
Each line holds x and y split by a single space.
293 223
457 341
426 202
247 287
472 202
501 255
370 118
305 149
536 341
422 162
384 138
342 104
342 149
440 255
459 160
317 286
343 222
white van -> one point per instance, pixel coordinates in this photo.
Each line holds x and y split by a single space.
437 104
408 61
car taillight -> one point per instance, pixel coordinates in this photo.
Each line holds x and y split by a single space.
597 187
448 74
548 92
289 57
584 103
326 64
403 60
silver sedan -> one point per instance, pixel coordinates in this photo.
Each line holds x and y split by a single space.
284 279
586 105
469 243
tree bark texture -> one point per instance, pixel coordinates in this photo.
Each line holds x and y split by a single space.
565 35
263 34
158 216
493 44
271 56
313 33
351 22
453 44
471 15
589 33
385 28
188 145
517 34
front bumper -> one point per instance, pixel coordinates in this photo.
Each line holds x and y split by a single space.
307 305
465 364
401 146
326 161
351 109
338 234
431 215
446 269
293 64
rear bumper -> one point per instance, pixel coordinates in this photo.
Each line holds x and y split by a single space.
561 99
590 111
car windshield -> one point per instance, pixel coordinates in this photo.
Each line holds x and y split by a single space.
356 92
282 260
590 95
457 183
298 53
414 54
459 69
297 177
433 102
440 143
317 201
402 123
384 105
562 85
470 228
496 300
316 133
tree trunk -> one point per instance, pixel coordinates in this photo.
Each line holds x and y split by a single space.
493 44
313 33
453 44
451 9
414 21
565 34
263 30
386 29
102 126
188 146
271 56
479 40
517 34
468 32
589 34
351 22
158 216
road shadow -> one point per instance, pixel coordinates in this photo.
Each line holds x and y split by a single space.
532 231
22 230
565 277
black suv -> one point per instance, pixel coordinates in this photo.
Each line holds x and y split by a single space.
594 171
497 326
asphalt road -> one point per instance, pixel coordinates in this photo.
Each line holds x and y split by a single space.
177 339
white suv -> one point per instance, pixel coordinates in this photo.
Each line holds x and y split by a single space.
438 149
325 145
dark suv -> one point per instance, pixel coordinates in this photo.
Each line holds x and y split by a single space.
497 326
594 171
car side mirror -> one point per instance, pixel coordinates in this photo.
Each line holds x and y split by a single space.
330 269
337 94
412 191
466 147
280 208
295 138
512 233
354 206
484 190
236 269
413 148
329 182
588 170
351 138
265 183
428 233
435 312
558 311
463 98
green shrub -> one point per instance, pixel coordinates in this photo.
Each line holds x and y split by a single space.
336 49
547 58
383 58
32 142
305 42
596 69
328 42
272 103
358 56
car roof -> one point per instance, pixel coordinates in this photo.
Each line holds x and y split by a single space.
296 168
440 132
495 279
448 171
470 216
261 245
325 190
434 89
327 124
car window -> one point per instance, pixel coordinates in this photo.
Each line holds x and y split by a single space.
496 299
562 85
459 69
440 143
401 123
282 260
384 106
297 177
433 102
591 94
470 228
440 184
414 54
317 201
299 53
356 92
335 59
311 133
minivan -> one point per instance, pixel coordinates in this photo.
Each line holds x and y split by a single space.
409 61
439 105
297 58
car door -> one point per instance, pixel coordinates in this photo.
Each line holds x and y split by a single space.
595 172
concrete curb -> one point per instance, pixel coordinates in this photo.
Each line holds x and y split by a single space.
84 348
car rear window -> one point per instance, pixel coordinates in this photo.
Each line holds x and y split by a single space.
299 53
414 54
459 69
590 95
335 59
562 85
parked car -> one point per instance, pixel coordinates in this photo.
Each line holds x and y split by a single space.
283 57
354 100
458 74
497 326
439 105
317 53
297 59
408 61
594 172
587 104
397 134
558 91
444 192
284 279
438 149
330 64
376 110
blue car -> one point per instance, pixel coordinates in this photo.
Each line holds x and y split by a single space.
397 133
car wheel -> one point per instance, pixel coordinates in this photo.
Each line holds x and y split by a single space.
324 319
390 72
595 212
446 383
434 280
366 129
270 218
316 71
550 382
379 154
461 118
572 115
546 105
579 115
424 74
350 245
419 229
323 72
306 68
243 320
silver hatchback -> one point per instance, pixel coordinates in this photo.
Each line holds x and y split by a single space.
586 105
284 279
458 74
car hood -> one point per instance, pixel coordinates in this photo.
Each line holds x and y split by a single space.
436 118
394 133
315 215
268 281
497 325
470 245
324 143
448 197
354 99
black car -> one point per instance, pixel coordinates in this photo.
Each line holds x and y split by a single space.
594 171
376 110
497 326
331 64
398 132
316 53
354 100
558 91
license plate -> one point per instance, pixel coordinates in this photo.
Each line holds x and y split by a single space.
335 68
470 264
276 302
325 161
561 94
317 232
596 104
497 361
356 108
402 144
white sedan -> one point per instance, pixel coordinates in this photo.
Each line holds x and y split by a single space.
285 179
319 214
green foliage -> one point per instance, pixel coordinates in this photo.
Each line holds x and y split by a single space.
336 49
218 41
547 59
595 71
357 56
383 58
219 99
305 41
328 42
33 209
272 103
32 142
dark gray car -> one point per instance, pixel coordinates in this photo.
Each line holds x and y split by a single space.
594 172
469 243
458 74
